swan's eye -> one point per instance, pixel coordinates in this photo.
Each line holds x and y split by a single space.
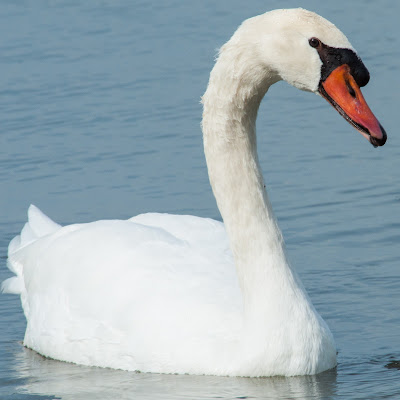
314 42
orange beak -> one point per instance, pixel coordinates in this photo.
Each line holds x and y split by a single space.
343 93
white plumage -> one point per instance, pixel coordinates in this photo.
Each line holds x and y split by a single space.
110 293
160 293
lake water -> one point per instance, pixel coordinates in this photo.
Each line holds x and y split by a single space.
100 118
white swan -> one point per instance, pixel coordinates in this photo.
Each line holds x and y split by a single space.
158 292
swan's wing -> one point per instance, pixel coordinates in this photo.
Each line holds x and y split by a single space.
127 288
201 233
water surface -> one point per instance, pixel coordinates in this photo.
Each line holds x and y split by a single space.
100 118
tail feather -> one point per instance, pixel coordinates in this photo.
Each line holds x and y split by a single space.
38 225
14 285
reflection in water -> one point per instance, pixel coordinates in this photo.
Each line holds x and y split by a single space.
41 376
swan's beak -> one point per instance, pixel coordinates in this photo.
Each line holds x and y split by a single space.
342 91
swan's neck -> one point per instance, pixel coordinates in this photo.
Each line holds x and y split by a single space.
231 103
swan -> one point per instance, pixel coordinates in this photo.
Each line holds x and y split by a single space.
182 294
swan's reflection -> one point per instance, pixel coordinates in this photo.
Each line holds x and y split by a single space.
54 379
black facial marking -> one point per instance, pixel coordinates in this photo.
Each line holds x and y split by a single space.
333 57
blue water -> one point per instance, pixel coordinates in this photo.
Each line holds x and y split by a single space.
100 118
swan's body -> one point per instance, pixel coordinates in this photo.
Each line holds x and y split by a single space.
159 293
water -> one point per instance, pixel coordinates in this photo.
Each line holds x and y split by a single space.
99 117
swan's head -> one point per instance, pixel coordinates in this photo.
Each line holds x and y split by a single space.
311 54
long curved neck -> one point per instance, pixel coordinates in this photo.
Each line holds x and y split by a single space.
231 103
